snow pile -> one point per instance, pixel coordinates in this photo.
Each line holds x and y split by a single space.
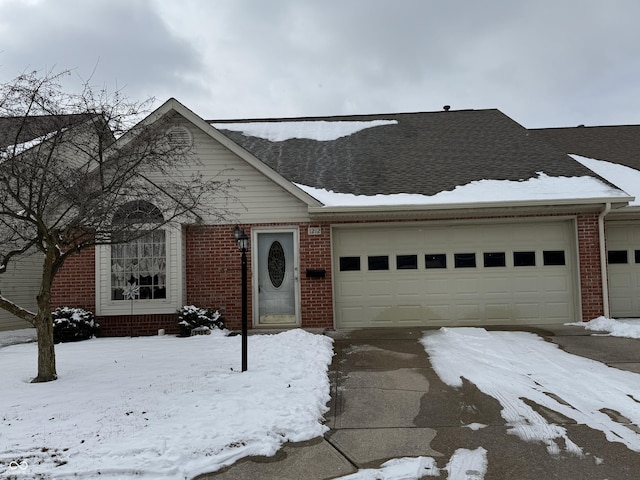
464 464
542 187
629 328
626 178
160 407
319 130
520 369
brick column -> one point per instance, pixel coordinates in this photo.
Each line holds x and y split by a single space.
590 271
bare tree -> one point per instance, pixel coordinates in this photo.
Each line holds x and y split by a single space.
68 162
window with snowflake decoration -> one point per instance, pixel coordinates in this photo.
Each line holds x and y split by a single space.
139 267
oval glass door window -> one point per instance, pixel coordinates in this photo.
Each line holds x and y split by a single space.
276 264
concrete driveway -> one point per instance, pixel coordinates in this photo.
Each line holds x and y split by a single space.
387 402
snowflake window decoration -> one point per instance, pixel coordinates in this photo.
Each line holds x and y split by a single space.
131 291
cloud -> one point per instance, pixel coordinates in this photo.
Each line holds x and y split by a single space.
543 62
126 43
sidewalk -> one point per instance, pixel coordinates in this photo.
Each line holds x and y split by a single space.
387 402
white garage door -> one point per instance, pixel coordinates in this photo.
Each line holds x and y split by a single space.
623 254
454 274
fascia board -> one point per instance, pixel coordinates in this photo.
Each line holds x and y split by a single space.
616 202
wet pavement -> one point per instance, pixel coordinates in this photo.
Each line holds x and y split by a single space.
387 402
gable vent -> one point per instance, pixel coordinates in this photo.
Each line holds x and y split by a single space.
179 137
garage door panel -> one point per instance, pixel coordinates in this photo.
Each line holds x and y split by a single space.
557 310
409 287
499 311
351 288
352 317
496 285
466 287
438 286
380 288
478 295
556 283
529 311
624 284
527 284
469 312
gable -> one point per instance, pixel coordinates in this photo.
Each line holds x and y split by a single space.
258 193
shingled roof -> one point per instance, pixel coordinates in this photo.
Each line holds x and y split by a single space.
15 130
422 153
616 143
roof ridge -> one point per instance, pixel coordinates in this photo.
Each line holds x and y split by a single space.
348 117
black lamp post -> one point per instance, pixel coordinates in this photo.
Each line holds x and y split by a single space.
243 244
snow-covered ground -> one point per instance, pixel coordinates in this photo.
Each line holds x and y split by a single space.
167 407
159 407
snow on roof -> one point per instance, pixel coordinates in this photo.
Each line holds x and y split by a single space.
542 187
11 151
625 178
320 130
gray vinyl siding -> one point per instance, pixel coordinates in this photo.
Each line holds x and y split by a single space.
20 284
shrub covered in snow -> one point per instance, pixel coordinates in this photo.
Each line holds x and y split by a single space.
73 325
194 319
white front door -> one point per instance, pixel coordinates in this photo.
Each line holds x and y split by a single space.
277 278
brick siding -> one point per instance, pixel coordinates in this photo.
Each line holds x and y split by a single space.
75 282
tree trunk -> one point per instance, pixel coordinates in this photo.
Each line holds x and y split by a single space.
46 350
44 324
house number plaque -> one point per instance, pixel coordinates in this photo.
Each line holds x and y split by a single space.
315 231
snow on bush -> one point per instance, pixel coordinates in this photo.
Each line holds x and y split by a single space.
192 318
73 325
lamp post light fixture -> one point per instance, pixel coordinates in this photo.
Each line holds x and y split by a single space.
243 244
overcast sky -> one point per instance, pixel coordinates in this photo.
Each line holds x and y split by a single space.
545 63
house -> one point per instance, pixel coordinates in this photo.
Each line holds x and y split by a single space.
21 281
614 153
438 218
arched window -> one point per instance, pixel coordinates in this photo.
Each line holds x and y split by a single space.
137 211
139 267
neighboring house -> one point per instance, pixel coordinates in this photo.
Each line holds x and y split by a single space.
614 153
419 219
21 281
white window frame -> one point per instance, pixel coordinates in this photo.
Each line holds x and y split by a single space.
105 306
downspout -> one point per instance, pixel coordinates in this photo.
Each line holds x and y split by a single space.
603 259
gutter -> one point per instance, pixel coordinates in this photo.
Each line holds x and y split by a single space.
371 209
603 259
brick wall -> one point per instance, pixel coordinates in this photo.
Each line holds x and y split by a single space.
214 271
136 325
75 283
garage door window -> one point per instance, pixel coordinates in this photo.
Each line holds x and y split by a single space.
553 257
435 260
617 256
494 259
378 262
637 256
464 260
349 264
406 262
524 259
